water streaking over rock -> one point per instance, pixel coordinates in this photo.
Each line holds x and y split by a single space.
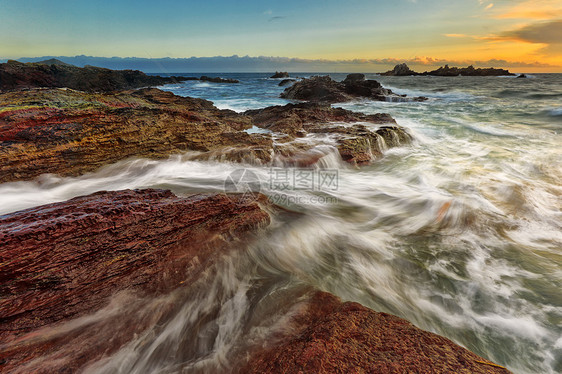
459 231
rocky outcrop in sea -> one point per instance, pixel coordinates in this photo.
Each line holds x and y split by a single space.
355 86
446 71
280 74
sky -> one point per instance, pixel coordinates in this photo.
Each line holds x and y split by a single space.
367 34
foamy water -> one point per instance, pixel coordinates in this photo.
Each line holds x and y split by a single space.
460 232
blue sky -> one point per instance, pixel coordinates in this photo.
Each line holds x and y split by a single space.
458 30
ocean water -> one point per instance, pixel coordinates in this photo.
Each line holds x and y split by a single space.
460 232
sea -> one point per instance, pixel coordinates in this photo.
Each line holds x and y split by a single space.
459 232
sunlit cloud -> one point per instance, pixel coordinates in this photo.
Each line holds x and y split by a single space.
457 36
533 9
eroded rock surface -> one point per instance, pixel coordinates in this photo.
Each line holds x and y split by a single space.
69 133
64 260
356 142
334 337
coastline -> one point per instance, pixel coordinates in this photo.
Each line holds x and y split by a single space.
87 135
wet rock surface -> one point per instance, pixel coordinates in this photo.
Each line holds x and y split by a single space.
285 82
334 337
325 89
54 73
356 143
293 118
64 260
69 133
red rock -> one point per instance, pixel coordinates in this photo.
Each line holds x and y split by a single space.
65 260
334 337
69 133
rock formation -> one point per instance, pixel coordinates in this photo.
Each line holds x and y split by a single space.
334 337
280 74
218 79
446 71
69 132
54 73
324 89
400 70
357 144
284 82
64 260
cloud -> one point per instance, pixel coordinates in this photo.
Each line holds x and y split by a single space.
272 63
533 9
457 36
489 6
276 18
543 32
547 34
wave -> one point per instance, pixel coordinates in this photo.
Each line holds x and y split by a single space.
441 94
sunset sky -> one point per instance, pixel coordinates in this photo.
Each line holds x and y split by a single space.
525 33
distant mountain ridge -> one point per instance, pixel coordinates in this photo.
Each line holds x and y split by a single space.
54 61
266 64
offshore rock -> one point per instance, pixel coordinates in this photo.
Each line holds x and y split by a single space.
325 89
280 74
470 71
446 71
218 79
66 260
329 336
69 133
400 70
54 73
